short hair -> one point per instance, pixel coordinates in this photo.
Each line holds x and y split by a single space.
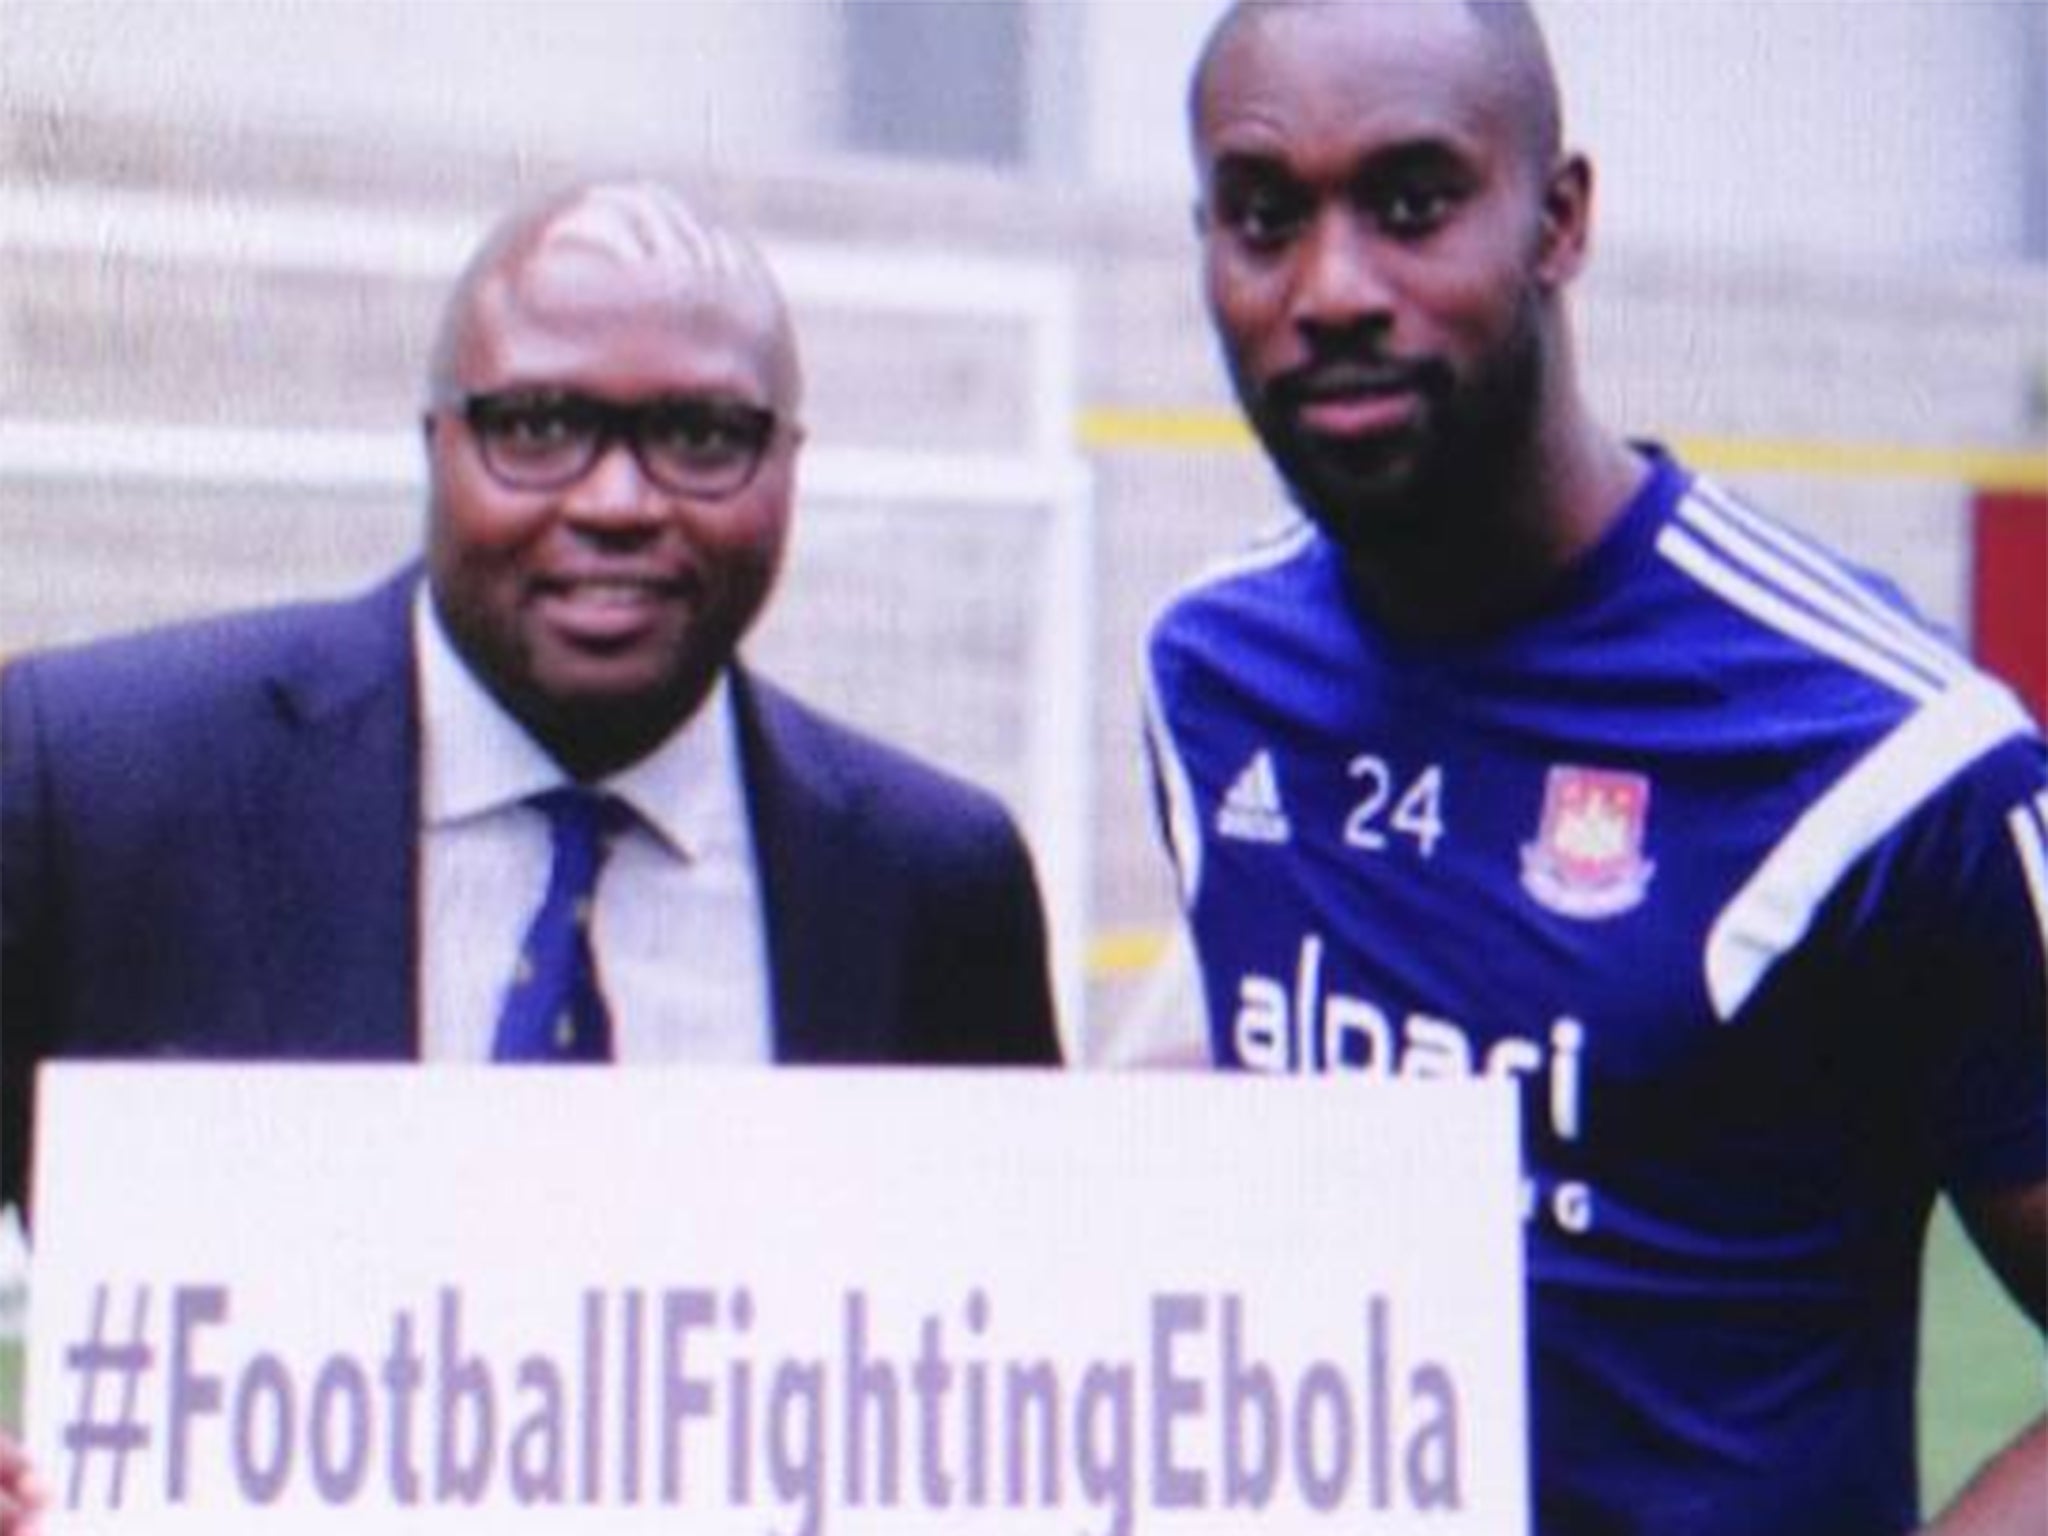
641 221
1509 25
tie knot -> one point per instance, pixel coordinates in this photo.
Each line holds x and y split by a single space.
583 823
579 805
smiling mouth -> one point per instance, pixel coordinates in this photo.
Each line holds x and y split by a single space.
608 610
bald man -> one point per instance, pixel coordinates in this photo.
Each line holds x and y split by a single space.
332 831
1527 750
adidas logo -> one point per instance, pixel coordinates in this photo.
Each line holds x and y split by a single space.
1251 812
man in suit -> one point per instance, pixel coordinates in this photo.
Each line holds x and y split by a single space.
319 832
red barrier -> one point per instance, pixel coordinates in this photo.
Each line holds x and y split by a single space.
2009 595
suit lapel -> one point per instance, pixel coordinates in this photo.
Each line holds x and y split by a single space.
831 912
331 845
332 802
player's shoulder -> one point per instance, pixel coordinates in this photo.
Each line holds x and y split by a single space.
1812 646
1276 586
1279 556
1797 599
1830 647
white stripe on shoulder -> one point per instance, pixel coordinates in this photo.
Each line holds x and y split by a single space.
1183 818
1772 912
1742 590
1284 542
1265 553
1777 556
2027 823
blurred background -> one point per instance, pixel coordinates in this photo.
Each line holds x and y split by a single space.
1821 270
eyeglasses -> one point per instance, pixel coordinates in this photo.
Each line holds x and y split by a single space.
548 439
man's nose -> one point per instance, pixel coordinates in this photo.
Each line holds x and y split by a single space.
1339 284
615 492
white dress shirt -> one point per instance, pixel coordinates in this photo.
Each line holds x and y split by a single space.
678 931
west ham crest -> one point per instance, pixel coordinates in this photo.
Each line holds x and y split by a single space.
1587 860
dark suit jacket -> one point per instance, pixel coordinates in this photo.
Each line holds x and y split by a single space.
208 848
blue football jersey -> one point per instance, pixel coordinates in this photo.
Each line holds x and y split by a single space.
1740 870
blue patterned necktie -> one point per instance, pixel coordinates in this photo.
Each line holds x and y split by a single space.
554 1010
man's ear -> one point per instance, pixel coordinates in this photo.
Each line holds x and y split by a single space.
1567 221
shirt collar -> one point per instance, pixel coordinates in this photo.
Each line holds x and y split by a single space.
477 760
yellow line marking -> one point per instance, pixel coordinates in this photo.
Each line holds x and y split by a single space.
1111 429
1984 469
1127 951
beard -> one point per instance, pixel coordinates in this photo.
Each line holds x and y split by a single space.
1430 484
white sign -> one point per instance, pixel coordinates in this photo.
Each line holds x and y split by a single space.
788 1303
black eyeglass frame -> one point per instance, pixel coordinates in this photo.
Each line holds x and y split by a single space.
609 422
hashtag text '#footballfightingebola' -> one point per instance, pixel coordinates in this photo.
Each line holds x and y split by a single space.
670 1397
